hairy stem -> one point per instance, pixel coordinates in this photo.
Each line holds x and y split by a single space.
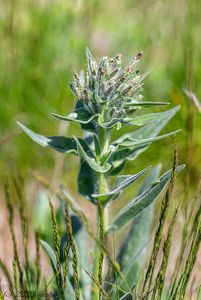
101 220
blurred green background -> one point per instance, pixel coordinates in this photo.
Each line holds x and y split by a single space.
42 43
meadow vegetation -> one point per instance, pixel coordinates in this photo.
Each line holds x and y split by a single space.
100 218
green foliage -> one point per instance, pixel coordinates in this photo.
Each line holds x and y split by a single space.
108 97
122 181
134 244
41 43
140 203
30 276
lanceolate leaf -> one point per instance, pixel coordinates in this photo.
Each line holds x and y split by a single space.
129 242
135 207
50 253
143 120
139 142
127 296
129 150
97 145
139 104
78 115
152 129
91 161
121 154
146 132
121 183
133 247
58 143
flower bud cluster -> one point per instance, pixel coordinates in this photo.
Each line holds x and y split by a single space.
108 88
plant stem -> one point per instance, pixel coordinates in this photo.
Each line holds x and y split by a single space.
101 220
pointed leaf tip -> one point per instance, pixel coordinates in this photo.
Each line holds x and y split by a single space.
40 139
122 182
59 143
142 201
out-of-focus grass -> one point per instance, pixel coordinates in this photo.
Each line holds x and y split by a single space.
172 257
43 42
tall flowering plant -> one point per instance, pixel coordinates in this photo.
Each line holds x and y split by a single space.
108 97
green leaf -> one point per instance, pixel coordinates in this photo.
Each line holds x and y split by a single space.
139 142
152 129
146 132
121 183
139 104
97 145
106 156
91 161
87 181
116 168
129 150
120 155
143 120
133 248
50 253
58 143
127 296
150 179
79 115
135 207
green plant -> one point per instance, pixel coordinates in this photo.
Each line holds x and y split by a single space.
27 280
108 98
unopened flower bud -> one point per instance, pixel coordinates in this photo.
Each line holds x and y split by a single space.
139 55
